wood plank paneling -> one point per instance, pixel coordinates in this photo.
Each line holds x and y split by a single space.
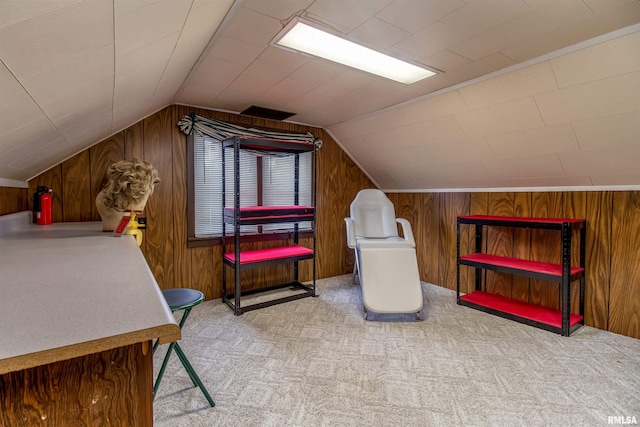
181 254
134 141
430 237
76 188
599 217
452 205
159 211
13 200
624 303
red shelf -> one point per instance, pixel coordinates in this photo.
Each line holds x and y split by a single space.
509 265
520 309
271 254
251 215
522 219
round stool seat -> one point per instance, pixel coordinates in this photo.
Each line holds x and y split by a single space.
181 298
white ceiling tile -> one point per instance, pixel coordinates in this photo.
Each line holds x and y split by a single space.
588 162
378 34
529 81
609 131
52 38
470 71
484 93
601 180
34 131
510 116
600 6
542 165
547 139
30 146
348 14
490 41
616 95
414 15
252 27
284 91
540 140
585 65
17 10
590 26
628 52
63 59
551 181
155 55
481 15
445 60
432 39
284 57
209 80
279 9
143 26
548 17
234 50
122 7
537 46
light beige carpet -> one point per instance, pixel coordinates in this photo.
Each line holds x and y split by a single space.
317 362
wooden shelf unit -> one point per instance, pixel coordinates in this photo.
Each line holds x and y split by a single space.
559 321
257 215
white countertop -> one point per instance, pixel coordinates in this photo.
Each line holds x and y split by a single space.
68 289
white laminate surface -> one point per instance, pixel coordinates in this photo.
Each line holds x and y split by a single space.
68 289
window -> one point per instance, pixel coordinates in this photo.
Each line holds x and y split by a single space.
264 181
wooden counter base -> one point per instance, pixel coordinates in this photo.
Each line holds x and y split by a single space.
113 387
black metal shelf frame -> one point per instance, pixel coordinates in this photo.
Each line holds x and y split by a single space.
266 146
566 228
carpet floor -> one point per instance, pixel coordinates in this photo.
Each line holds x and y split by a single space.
317 362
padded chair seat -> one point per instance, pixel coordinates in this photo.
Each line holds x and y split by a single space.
181 298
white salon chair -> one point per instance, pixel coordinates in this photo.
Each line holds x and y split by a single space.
386 263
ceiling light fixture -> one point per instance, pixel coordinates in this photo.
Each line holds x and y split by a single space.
300 36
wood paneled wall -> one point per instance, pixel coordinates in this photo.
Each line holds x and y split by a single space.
612 300
612 286
13 200
157 139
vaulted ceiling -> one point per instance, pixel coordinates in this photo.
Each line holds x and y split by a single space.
531 93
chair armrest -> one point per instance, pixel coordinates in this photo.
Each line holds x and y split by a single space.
406 231
351 233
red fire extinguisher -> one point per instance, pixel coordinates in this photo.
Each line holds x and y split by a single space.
42 199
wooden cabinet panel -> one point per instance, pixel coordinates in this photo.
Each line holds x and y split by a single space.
109 388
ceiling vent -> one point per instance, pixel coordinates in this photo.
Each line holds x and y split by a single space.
266 113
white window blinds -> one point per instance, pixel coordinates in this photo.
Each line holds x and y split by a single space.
277 184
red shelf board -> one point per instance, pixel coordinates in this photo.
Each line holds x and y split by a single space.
260 255
292 208
522 219
522 309
520 264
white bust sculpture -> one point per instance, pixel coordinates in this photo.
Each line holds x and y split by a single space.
129 185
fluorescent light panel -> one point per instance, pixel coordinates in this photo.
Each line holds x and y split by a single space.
305 38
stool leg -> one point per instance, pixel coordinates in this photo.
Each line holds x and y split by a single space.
163 367
192 374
